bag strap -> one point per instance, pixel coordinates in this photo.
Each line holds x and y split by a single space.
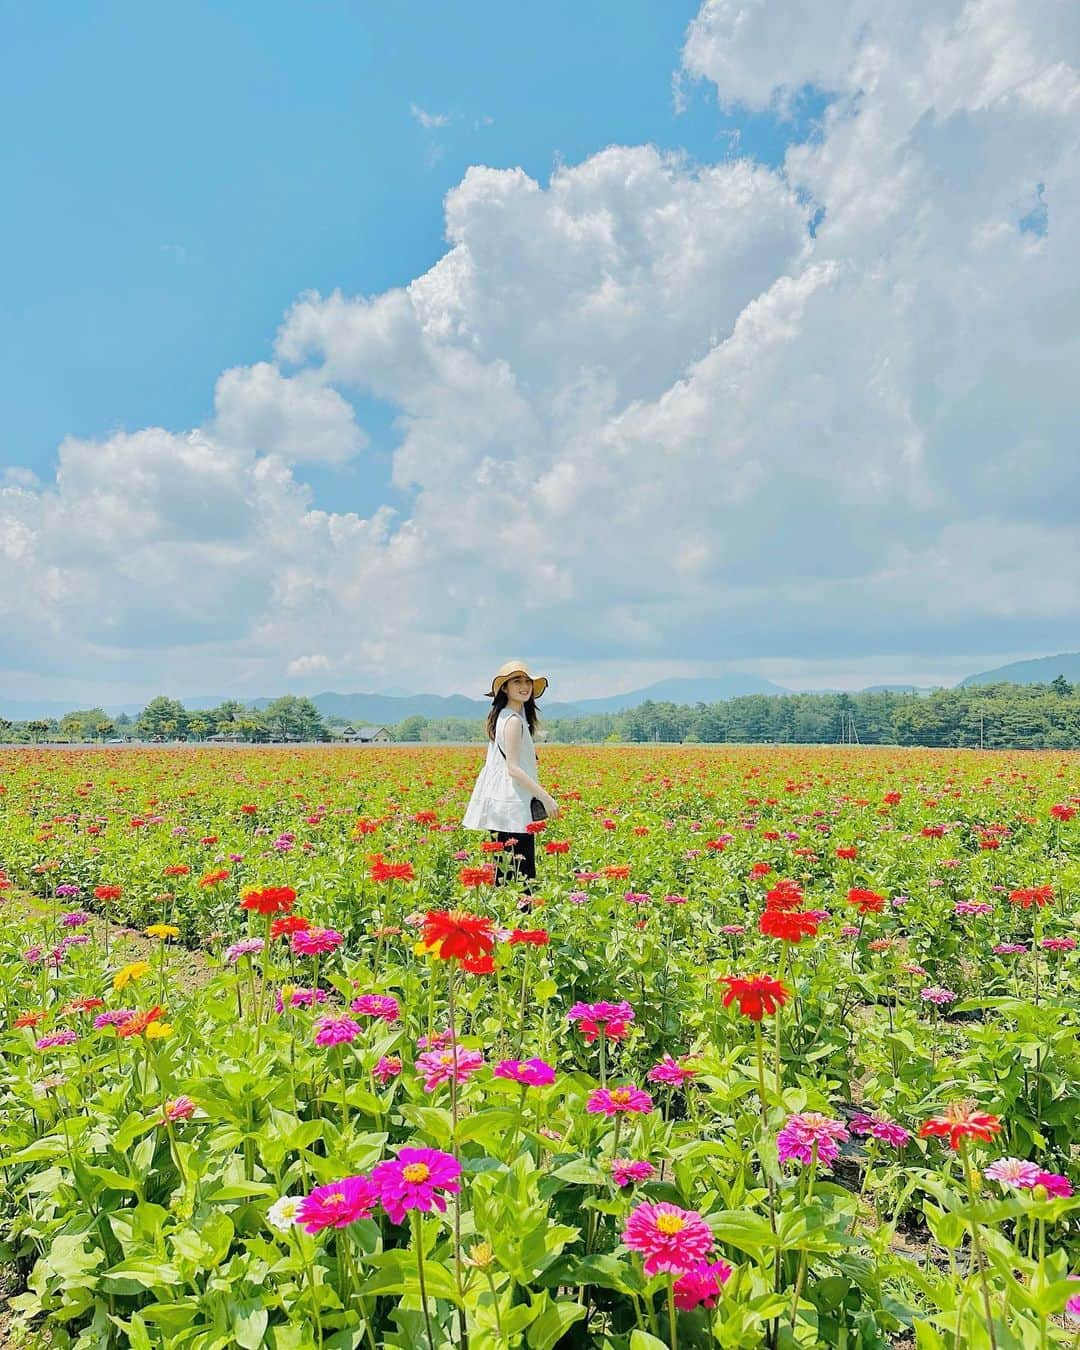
496 736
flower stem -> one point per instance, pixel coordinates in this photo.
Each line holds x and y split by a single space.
673 1327
418 1238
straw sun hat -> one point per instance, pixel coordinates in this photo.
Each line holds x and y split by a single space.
516 668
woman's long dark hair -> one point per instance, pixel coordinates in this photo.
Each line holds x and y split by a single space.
532 717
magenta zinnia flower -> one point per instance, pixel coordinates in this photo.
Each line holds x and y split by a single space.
315 941
338 1204
670 1072
180 1108
806 1129
702 1283
610 1020
625 1171
414 1180
936 994
668 1238
439 1066
384 1006
1053 1182
114 1018
881 1127
336 1031
527 1072
613 1101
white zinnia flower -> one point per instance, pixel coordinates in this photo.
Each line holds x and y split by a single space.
282 1213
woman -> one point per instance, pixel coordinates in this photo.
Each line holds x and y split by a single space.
507 783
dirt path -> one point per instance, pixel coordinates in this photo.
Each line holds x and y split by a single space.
189 968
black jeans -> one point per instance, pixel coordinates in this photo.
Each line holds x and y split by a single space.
518 858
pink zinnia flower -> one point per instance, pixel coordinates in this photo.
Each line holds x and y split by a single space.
415 1180
50 1042
1058 944
338 1204
670 1071
113 1018
180 1108
300 998
1013 1172
527 1072
1009 948
625 1171
733 929
246 947
384 1006
702 1283
387 1067
315 941
936 994
439 1066
435 1041
339 1030
628 1100
881 1127
806 1129
668 1238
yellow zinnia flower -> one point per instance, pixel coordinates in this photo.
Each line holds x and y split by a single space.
162 930
157 1031
127 974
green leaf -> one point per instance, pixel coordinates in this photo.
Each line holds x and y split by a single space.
642 1340
749 1232
249 1326
552 1321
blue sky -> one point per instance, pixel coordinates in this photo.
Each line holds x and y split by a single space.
182 173
670 382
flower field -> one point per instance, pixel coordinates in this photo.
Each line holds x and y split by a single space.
780 1051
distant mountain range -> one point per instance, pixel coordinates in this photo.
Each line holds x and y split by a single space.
1041 670
386 709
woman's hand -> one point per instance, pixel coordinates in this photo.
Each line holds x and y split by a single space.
551 806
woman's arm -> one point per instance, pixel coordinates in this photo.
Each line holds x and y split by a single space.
512 737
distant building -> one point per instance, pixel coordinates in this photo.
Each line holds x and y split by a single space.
367 735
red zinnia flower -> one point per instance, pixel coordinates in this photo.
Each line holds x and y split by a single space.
491 846
536 937
249 809
291 923
847 851
213 878
866 902
458 934
107 892
758 995
1062 812
478 965
1032 895
477 876
177 870
784 895
270 900
761 869
787 925
384 871
557 846
959 1121
617 872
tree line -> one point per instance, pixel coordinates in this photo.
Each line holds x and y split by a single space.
998 716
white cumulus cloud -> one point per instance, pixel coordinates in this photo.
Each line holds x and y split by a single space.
652 413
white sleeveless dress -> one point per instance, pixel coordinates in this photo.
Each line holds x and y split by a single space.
497 802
